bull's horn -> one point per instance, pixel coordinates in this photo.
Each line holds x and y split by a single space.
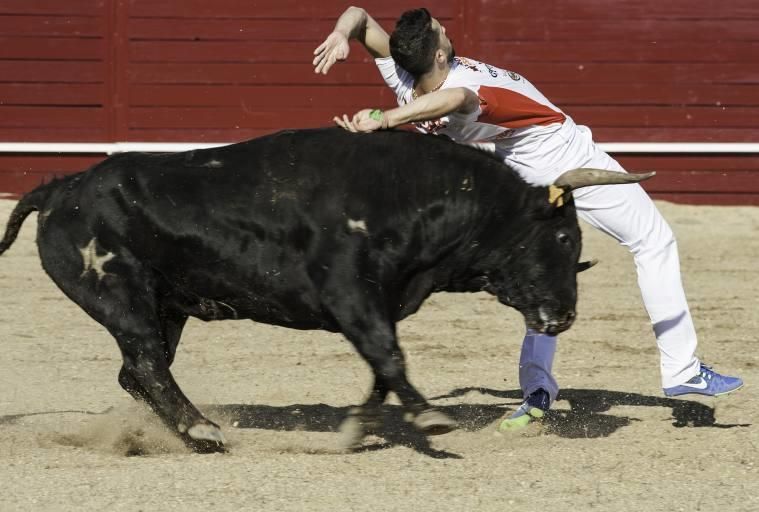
585 265
578 178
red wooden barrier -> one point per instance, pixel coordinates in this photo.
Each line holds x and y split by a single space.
226 70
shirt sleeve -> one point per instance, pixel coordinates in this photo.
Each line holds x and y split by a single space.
398 79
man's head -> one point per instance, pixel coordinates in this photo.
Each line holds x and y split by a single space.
419 43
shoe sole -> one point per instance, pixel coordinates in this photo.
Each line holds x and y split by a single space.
520 422
728 392
695 392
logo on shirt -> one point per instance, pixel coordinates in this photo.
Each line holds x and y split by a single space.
493 72
514 76
505 134
433 126
463 61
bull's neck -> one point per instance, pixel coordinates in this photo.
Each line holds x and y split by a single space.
494 216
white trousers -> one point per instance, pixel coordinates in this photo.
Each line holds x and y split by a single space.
628 214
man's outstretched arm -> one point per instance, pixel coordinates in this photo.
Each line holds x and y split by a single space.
430 106
354 23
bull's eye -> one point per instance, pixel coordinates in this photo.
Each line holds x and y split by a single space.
563 238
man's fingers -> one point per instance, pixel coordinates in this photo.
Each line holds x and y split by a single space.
318 59
327 63
352 127
320 48
344 123
319 65
348 123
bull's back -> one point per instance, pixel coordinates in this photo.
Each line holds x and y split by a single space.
256 225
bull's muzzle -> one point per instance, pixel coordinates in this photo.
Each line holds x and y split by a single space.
552 323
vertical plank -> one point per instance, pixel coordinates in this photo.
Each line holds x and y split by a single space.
120 70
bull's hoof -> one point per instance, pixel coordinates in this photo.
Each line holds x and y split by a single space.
356 426
206 438
433 422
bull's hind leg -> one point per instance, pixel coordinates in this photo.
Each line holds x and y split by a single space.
119 294
171 322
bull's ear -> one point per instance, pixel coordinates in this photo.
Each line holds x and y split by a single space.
585 265
556 195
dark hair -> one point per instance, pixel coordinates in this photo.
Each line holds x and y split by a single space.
414 42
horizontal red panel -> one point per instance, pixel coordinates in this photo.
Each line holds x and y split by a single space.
647 93
40 26
52 71
351 72
59 134
646 9
238 29
720 163
230 30
226 117
52 94
361 73
666 116
14 185
612 28
52 48
19 164
253 98
233 51
641 72
709 198
53 7
278 8
507 53
608 134
50 117
743 182
198 135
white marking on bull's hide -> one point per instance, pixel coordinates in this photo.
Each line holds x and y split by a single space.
94 262
42 216
467 185
214 164
358 226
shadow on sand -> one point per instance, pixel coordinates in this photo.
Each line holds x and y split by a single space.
589 416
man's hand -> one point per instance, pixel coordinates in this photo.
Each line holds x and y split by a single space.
361 122
333 49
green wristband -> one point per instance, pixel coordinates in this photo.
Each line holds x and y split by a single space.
376 114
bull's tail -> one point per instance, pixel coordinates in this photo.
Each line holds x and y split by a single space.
33 201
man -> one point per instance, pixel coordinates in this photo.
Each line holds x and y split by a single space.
473 102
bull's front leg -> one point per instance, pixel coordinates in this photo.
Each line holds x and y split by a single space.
373 334
364 419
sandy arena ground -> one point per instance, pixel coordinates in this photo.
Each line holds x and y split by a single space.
71 439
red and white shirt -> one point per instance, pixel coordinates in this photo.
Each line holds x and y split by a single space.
514 119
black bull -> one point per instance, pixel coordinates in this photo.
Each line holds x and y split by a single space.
312 229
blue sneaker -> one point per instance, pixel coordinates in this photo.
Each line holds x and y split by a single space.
533 408
707 382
